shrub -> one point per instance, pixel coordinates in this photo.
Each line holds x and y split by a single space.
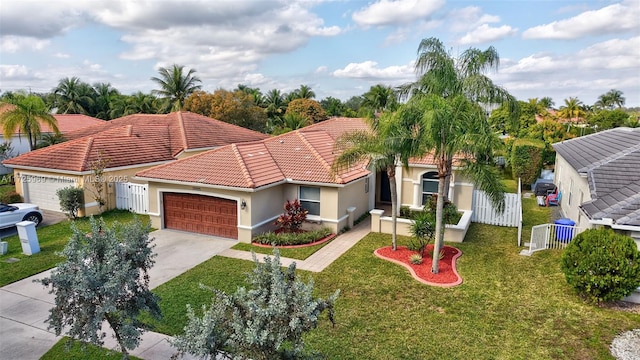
451 215
298 238
12 197
71 200
602 265
415 259
423 229
293 217
526 159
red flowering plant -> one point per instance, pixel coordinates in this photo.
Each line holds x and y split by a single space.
292 218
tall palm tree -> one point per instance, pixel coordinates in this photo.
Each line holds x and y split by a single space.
73 96
610 99
26 115
380 98
392 141
176 85
275 103
547 102
140 103
452 93
304 92
106 96
572 109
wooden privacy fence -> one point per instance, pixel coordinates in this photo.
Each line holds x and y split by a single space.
132 197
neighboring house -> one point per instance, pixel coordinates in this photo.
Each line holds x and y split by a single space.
553 115
599 177
66 123
237 191
128 145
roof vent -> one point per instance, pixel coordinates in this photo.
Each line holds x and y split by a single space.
281 141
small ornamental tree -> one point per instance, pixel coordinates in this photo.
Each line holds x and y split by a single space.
423 229
71 200
602 265
266 321
293 217
104 278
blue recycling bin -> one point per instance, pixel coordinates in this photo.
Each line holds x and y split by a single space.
564 233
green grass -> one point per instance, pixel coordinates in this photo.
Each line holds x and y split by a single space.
52 239
300 253
76 352
509 306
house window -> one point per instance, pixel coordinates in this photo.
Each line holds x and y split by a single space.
310 199
570 191
429 185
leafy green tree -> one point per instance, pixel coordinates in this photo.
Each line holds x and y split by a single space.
289 122
104 277
176 84
550 132
608 119
141 103
501 119
236 108
73 96
71 200
333 106
266 321
26 115
254 92
448 93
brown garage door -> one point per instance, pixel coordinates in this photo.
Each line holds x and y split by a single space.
201 214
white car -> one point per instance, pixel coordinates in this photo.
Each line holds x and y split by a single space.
10 214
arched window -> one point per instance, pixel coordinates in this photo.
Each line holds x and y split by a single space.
429 185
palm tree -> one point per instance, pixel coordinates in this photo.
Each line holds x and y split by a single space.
50 139
275 103
547 102
27 114
572 109
451 93
106 96
380 98
304 92
175 85
73 96
140 103
392 141
610 99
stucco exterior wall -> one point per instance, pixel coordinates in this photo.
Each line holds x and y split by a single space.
575 191
460 192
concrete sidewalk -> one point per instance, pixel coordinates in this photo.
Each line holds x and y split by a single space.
24 305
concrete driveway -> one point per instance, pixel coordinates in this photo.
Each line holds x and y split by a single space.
24 305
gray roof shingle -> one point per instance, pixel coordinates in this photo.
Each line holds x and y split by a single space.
611 162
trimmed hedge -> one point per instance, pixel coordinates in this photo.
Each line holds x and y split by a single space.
526 159
602 265
292 238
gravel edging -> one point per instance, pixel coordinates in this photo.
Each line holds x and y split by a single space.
626 346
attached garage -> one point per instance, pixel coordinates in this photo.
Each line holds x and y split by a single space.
201 214
41 190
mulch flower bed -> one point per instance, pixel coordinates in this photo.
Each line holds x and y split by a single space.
317 242
447 275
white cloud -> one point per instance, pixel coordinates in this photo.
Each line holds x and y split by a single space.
60 55
12 72
612 19
42 19
369 70
321 69
395 12
468 18
13 44
485 33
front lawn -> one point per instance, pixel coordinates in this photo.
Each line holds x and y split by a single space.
299 253
59 351
52 239
508 307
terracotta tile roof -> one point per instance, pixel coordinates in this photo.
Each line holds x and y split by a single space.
428 159
302 155
135 140
123 146
187 131
66 122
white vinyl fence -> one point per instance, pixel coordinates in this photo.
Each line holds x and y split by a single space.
550 236
484 212
132 197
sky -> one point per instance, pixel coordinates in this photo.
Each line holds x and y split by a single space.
557 49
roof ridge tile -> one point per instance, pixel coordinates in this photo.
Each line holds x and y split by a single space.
243 166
